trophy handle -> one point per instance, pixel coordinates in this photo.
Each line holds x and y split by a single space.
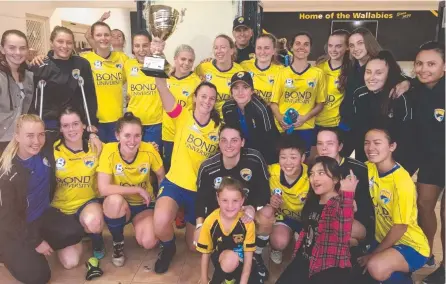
182 14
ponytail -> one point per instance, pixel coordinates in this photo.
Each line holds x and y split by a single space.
215 116
11 150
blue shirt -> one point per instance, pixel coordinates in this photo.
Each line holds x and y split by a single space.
38 187
243 125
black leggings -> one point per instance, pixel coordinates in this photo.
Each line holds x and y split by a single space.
25 263
297 273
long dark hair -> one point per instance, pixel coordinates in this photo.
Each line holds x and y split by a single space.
215 116
393 77
4 66
333 170
71 110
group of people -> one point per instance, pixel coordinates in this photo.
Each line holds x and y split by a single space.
251 150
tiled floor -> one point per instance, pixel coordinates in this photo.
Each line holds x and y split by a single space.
185 267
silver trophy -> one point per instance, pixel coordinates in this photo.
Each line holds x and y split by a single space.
161 21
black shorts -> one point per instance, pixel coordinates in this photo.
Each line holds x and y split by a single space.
432 172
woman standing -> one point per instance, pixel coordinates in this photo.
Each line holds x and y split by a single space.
30 228
322 250
61 71
263 67
375 108
220 70
145 102
124 180
16 83
300 87
196 138
429 124
182 84
109 77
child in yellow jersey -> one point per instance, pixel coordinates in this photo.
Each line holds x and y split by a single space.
300 87
109 77
225 239
182 83
124 179
263 68
289 185
145 102
337 61
196 139
76 192
401 246
220 70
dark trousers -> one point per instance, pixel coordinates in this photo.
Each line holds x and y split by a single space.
25 263
297 273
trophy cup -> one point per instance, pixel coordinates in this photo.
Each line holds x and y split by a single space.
161 21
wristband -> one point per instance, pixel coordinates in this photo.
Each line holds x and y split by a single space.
198 226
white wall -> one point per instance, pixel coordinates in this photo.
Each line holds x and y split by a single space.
202 22
119 19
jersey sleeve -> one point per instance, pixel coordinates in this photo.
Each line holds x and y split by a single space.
402 109
250 240
278 88
404 198
105 166
205 244
202 193
321 88
155 159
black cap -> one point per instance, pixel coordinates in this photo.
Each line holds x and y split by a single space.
244 77
239 22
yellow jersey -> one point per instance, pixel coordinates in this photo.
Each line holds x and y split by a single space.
301 91
221 79
263 78
395 200
109 79
75 178
293 195
183 90
135 173
145 101
193 143
330 116
213 237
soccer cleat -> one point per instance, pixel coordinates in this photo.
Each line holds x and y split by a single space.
118 257
260 266
276 256
180 223
93 269
164 258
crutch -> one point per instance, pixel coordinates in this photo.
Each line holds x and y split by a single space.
41 86
81 85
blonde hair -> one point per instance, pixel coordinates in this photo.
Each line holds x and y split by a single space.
231 45
13 146
181 48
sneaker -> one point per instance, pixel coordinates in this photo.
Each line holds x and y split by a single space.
260 266
430 262
229 281
276 256
99 253
164 258
436 277
118 257
93 269
179 220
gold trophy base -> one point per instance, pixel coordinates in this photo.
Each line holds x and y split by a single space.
155 73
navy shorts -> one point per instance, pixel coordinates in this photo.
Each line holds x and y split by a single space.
294 225
432 171
167 148
183 197
106 132
152 133
94 200
136 209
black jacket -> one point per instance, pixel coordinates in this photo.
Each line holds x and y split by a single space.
251 171
262 130
14 202
398 121
429 120
355 79
62 87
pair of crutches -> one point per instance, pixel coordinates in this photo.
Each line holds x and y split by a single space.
41 86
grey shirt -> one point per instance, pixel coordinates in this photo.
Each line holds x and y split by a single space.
14 101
